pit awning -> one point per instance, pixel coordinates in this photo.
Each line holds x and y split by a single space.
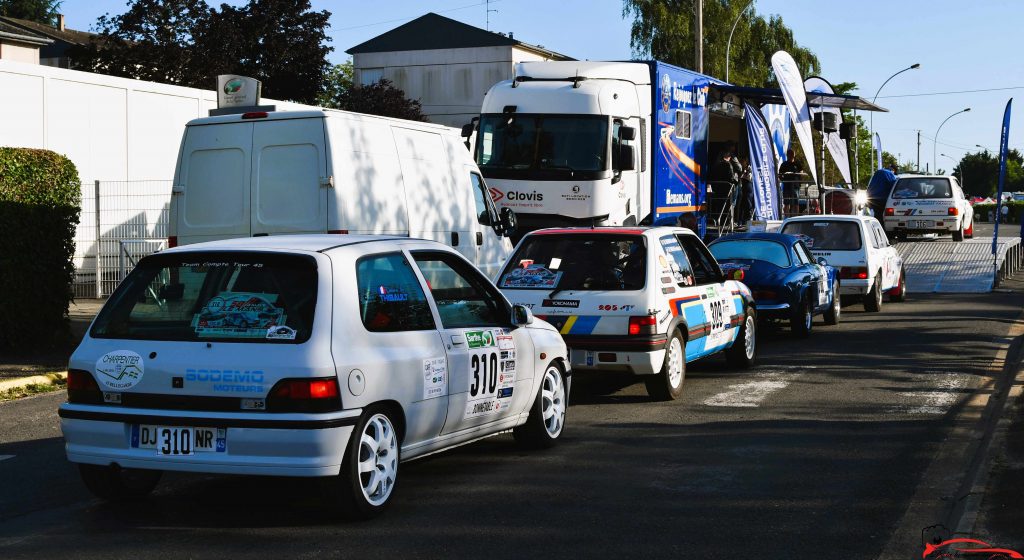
773 96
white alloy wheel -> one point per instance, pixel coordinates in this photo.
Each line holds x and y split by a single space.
378 459
675 362
552 395
750 340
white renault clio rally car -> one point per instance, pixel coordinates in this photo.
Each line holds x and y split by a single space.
311 356
640 300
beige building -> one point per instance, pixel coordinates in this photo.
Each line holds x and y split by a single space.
445 64
20 45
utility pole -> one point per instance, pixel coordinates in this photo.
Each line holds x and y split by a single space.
699 33
918 151
489 10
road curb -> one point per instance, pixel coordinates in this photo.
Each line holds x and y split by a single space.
21 382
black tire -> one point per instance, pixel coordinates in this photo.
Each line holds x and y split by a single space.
114 484
958 235
667 384
899 293
347 489
743 352
547 416
873 299
801 321
835 311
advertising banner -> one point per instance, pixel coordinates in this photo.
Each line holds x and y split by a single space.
877 141
762 166
777 117
1004 140
836 145
792 86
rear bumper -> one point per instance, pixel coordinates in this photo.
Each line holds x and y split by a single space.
256 444
772 310
854 287
639 355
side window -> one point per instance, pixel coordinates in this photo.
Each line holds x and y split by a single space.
880 240
682 124
616 126
705 268
801 254
463 296
484 212
682 273
390 296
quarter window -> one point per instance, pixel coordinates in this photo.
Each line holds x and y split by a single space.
390 296
682 273
705 268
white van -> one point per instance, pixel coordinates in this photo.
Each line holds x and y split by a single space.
326 171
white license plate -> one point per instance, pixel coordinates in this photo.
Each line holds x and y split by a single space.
179 440
920 224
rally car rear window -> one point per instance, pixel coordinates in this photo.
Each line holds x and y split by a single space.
922 188
214 296
753 249
827 235
577 262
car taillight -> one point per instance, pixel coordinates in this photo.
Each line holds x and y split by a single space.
255 115
765 294
853 272
172 241
82 388
890 211
337 231
953 211
304 395
643 324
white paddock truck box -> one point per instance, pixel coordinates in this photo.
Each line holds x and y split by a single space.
326 171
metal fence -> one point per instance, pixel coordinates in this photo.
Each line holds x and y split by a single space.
121 222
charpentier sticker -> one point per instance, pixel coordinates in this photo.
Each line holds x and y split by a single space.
435 379
120 369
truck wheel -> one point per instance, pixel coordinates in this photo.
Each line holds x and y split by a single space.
835 310
743 352
114 484
873 299
802 319
899 293
547 417
667 385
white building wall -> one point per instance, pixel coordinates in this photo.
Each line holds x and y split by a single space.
19 53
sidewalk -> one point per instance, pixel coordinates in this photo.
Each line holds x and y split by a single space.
18 371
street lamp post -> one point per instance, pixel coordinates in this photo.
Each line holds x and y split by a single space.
935 141
951 158
875 98
728 44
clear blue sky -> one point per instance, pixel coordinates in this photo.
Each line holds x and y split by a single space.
960 46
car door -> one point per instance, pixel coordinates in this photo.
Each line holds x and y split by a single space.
717 309
887 255
815 274
490 364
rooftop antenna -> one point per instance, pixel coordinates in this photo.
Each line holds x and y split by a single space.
489 10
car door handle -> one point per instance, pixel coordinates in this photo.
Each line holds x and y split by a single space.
458 339
479 238
455 239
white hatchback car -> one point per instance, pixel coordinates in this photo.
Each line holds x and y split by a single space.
856 246
920 204
640 300
310 356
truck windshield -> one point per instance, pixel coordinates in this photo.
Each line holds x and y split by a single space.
562 144
577 262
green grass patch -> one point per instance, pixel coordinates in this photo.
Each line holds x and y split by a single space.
56 383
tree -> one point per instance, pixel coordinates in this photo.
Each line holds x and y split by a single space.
337 81
980 172
40 11
383 99
185 42
664 30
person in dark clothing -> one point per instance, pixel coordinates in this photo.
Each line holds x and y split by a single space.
790 186
879 187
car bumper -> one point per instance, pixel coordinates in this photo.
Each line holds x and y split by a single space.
636 363
302 445
772 310
854 287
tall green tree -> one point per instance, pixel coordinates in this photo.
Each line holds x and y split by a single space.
664 30
40 11
981 172
337 81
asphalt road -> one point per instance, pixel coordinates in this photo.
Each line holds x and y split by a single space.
814 454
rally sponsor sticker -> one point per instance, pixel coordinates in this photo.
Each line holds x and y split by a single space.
435 378
492 377
120 369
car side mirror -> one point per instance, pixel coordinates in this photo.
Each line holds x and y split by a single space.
627 133
467 130
822 261
509 222
626 156
521 315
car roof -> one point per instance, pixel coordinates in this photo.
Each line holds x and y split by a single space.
297 242
612 230
784 238
922 176
827 217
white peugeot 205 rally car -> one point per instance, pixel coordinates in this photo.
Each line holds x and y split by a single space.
312 356
640 300
922 204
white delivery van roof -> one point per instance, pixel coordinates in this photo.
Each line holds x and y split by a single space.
316 114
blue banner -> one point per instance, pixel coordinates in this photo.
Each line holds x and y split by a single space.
1004 140
878 151
762 166
778 122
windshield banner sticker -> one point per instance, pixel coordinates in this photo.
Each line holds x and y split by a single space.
533 276
239 315
120 369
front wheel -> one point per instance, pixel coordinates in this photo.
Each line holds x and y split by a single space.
743 351
802 319
835 310
115 484
547 417
667 385
370 469
899 293
873 299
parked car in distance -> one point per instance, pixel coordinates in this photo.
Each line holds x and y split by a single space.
383 349
868 265
787 282
639 300
921 204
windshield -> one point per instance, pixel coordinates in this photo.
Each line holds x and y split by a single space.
209 296
577 262
755 249
922 188
547 143
827 235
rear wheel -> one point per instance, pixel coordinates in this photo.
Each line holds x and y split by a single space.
743 351
899 293
802 319
114 484
958 235
873 299
369 472
547 417
667 384
835 310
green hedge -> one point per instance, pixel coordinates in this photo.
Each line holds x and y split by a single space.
39 207
983 212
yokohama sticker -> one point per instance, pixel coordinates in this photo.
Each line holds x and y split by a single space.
120 369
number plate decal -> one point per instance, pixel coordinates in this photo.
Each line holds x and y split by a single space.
179 440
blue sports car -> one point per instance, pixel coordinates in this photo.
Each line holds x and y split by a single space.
786 280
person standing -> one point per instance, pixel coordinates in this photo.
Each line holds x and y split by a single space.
790 186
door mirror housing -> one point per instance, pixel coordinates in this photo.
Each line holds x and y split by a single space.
627 133
508 221
626 156
822 261
521 315
467 130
